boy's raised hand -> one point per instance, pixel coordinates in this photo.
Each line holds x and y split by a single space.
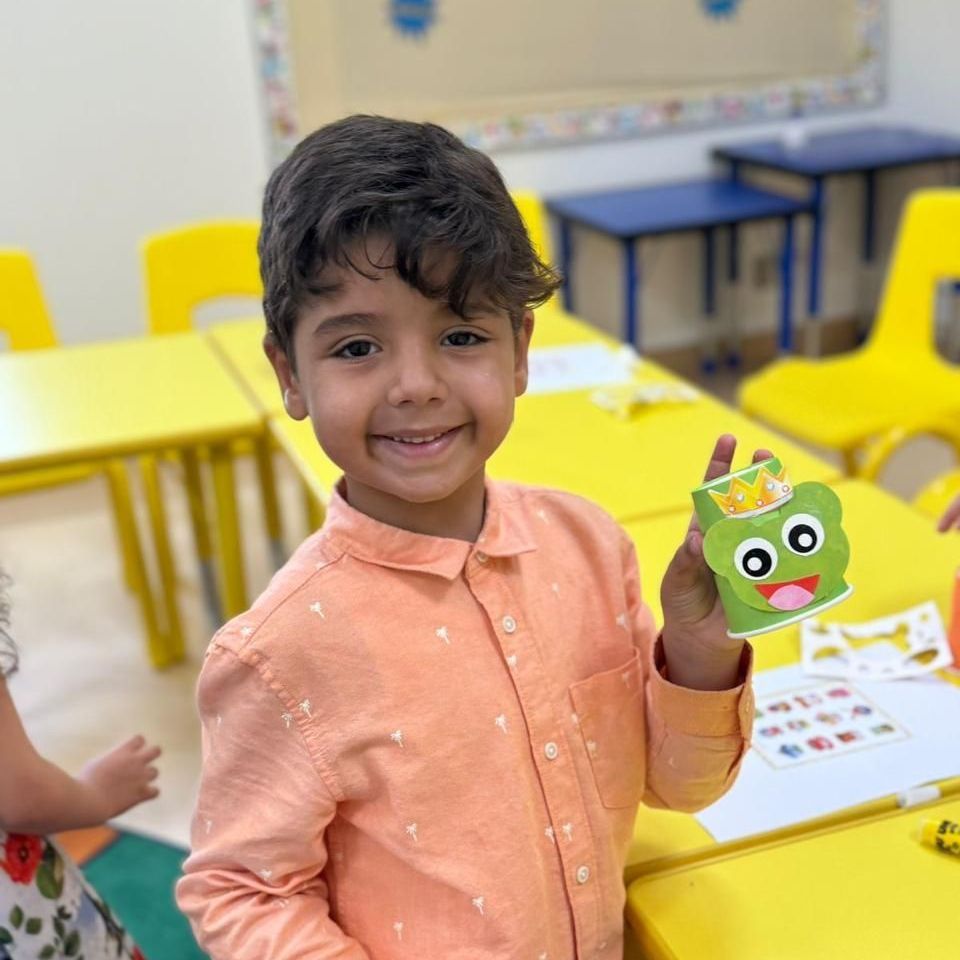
699 653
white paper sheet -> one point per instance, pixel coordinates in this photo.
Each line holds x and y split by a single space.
579 366
766 797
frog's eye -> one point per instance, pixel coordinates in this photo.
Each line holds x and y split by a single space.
755 558
802 534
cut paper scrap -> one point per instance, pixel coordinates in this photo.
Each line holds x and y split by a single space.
623 401
579 366
897 647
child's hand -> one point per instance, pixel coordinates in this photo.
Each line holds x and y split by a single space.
951 516
699 653
121 778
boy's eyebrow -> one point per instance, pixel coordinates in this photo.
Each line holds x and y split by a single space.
341 320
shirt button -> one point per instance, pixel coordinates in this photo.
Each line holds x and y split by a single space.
551 750
481 557
583 874
509 624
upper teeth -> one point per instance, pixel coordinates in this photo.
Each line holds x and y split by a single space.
416 439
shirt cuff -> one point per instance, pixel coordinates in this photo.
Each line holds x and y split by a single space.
710 713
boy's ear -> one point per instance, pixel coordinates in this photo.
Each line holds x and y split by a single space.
521 349
293 401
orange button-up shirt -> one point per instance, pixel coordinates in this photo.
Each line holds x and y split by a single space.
425 748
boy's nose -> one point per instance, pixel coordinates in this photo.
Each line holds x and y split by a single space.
417 381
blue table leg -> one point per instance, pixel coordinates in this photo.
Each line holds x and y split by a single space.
631 309
709 362
566 263
869 214
733 278
786 287
816 242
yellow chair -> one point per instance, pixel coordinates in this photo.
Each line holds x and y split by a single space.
184 268
938 494
534 217
896 379
26 322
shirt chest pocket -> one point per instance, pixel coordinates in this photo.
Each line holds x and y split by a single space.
610 712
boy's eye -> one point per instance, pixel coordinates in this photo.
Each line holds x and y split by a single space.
356 349
463 338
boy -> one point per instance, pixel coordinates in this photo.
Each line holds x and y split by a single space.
428 737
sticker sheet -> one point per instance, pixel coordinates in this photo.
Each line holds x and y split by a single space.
817 723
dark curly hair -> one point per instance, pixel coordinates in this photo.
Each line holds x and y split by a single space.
418 185
8 649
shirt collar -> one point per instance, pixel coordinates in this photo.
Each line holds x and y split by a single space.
506 532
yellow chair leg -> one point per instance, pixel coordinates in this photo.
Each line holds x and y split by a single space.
313 508
124 524
233 587
271 506
201 532
174 648
123 504
850 464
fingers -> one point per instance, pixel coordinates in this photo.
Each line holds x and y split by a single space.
721 458
761 454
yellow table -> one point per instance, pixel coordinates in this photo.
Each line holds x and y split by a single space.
131 398
897 560
860 890
634 468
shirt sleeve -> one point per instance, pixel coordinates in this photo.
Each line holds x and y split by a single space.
253 887
696 739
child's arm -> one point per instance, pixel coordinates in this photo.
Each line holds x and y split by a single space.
951 516
699 706
37 797
253 887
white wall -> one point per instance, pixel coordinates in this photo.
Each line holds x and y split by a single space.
119 118
122 117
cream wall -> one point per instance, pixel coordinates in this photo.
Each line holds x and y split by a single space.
120 117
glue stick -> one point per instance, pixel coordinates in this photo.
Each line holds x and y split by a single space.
942 834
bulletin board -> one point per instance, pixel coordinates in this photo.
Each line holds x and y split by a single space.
506 74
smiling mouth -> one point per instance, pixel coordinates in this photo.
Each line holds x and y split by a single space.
419 443
790 594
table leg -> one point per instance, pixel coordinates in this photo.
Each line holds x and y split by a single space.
271 506
869 214
631 291
733 284
174 647
786 287
566 263
233 587
816 242
708 361
157 645
201 533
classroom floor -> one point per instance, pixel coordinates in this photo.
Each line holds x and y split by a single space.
84 681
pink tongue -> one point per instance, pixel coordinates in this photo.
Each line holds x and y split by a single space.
790 597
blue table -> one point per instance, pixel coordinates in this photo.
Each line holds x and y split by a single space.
863 151
696 205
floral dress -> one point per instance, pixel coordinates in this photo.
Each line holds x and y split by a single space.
48 910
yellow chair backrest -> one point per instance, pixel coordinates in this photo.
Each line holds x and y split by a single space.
927 251
188 266
534 216
24 317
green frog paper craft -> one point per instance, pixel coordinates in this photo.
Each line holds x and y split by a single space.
778 552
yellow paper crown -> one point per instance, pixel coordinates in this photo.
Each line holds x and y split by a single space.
766 491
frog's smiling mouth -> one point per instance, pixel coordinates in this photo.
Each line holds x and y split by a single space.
790 594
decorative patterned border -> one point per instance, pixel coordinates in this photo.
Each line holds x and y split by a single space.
863 86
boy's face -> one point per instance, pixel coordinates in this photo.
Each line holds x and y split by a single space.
407 398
